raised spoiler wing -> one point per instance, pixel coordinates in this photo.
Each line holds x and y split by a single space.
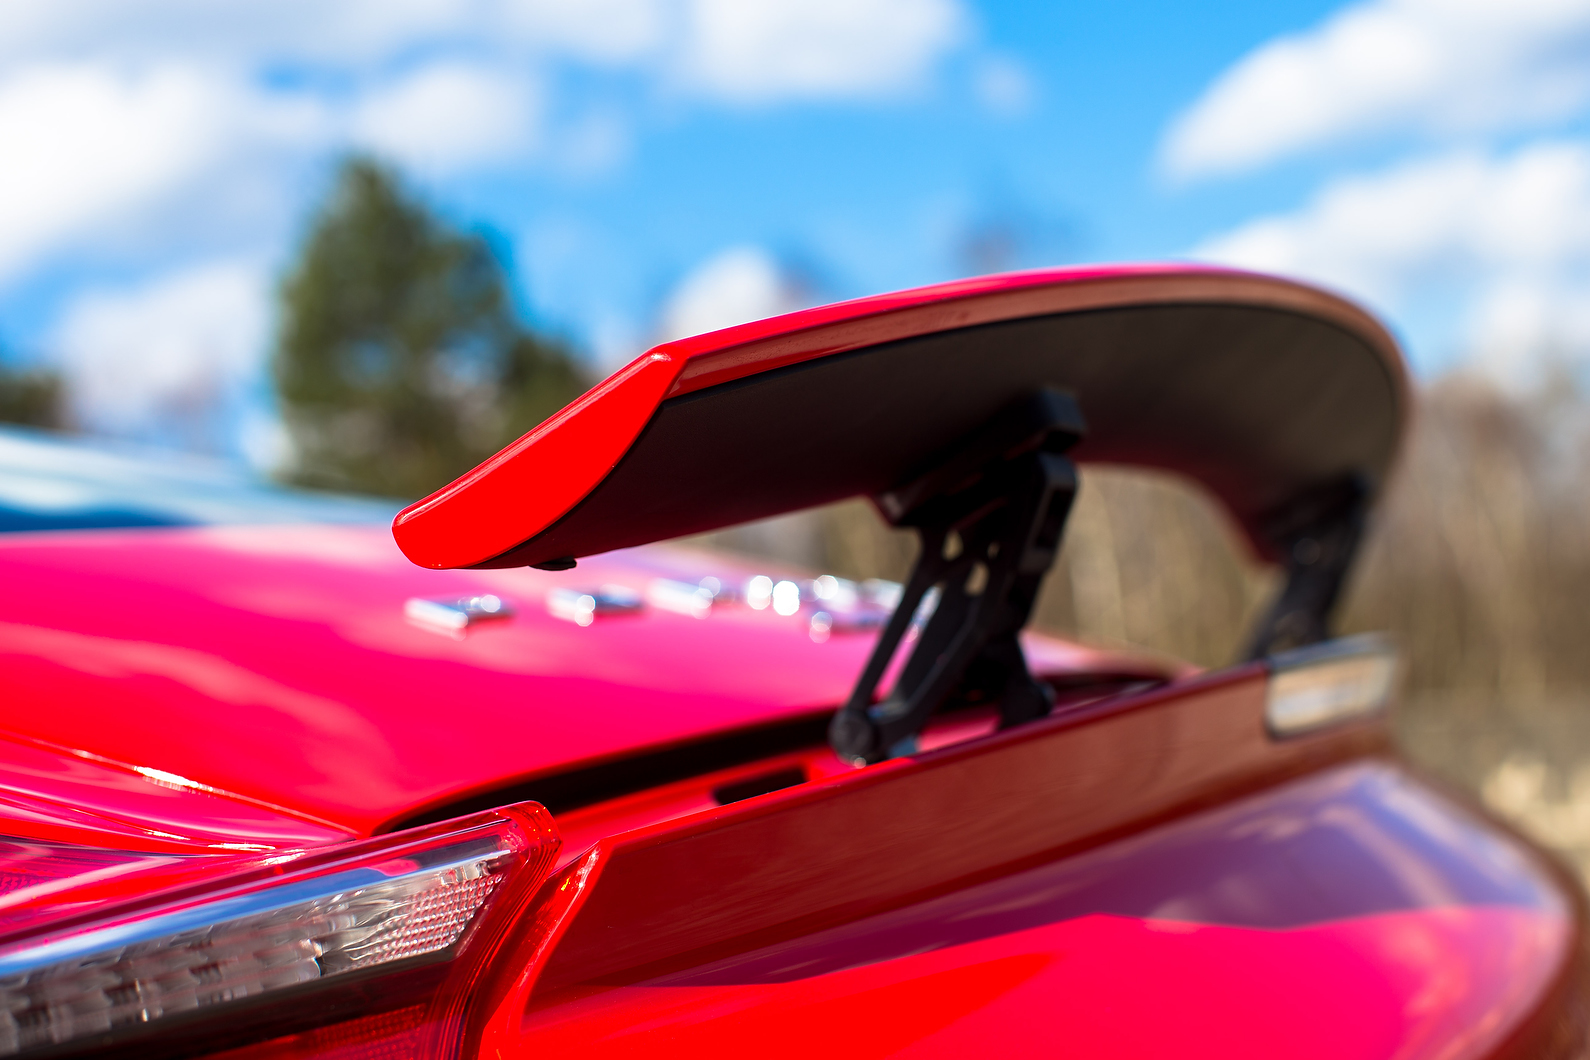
959 409
1261 389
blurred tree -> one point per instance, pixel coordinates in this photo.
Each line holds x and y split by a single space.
400 362
34 397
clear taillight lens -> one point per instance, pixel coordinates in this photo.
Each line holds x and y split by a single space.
281 922
1325 684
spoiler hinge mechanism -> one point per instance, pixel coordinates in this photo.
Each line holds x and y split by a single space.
990 518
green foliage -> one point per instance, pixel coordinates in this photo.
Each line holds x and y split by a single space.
33 397
400 363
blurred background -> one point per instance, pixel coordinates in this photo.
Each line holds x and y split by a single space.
362 245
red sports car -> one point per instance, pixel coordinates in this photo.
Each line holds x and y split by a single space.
509 779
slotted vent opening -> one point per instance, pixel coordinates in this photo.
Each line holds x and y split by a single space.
759 785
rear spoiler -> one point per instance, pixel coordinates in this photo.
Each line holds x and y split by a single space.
1258 388
1286 402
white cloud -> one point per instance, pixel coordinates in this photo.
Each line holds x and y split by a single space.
1389 65
734 286
1503 241
108 110
449 117
597 143
603 31
762 50
264 442
1004 86
161 358
818 49
84 143
134 135
347 33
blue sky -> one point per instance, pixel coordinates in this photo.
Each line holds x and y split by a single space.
650 167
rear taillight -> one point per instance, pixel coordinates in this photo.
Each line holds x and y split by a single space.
265 947
1329 683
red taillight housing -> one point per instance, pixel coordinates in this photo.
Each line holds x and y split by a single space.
362 941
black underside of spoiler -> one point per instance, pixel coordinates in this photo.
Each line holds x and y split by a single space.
1265 407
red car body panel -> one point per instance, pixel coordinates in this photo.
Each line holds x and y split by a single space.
1157 876
1151 869
1348 913
1109 986
73 795
1216 935
276 664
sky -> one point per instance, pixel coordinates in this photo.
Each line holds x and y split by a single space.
653 168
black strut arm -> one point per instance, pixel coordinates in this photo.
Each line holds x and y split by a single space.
1318 535
990 517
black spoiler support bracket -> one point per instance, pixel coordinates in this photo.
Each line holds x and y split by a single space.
990 516
1317 536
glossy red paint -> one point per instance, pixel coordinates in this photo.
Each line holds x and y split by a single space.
75 796
533 482
1350 913
584 827
845 846
1416 985
276 664
1352 905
